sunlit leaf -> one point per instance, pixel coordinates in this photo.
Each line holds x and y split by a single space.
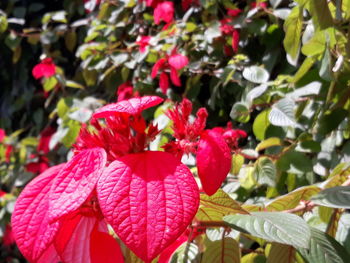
273 226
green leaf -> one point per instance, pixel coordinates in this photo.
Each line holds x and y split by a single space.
335 197
270 142
73 84
186 253
292 199
50 83
225 250
277 227
240 112
72 134
3 23
294 162
260 125
237 162
265 171
324 249
331 121
316 45
293 26
281 253
213 208
304 68
71 40
256 74
320 13
282 113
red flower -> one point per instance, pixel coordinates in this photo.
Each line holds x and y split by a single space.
125 91
143 43
260 5
8 238
44 141
62 214
187 3
227 29
45 68
235 40
173 63
164 11
213 153
38 166
2 135
234 12
9 149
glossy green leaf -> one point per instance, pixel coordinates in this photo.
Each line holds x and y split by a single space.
282 113
260 125
335 197
277 227
324 249
265 171
256 74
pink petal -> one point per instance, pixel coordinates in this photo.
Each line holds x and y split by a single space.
30 220
45 68
164 11
50 255
104 248
178 61
2 135
76 181
213 161
174 76
164 82
157 66
132 106
77 249
149 199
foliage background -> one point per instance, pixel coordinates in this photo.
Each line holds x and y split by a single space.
287 86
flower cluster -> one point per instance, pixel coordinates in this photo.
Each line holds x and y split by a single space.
212 147
148 197
172 63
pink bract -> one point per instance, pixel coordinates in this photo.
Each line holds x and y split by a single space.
30 220
178 61
213 161
75 182
132 106
164 11
149 199
45 68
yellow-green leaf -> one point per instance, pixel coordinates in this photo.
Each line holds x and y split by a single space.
213 208
225 250
293 26
273 141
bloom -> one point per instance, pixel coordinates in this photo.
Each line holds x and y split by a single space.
227 29
164 11
174 63
125 91
46 68
213 153
143 42
148 197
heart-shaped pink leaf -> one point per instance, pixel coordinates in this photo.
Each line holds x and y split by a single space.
30 220
149 199
132 106
73 185
213 161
